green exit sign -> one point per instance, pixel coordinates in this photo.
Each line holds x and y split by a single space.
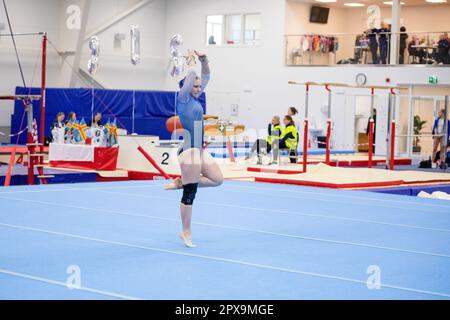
433 79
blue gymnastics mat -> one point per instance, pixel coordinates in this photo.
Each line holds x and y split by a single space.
255 241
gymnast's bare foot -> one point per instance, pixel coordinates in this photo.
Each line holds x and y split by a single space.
186 237
174 185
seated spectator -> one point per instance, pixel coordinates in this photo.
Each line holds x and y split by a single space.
59 121
288 140
96 123
71 117
414 51
211 40
274 132
57 124
358 49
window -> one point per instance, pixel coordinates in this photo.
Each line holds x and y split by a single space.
214 30
233 29
252 29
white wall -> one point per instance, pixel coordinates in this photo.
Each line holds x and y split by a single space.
297 23
115 69
414 18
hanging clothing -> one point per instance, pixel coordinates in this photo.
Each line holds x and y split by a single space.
305 44
319 43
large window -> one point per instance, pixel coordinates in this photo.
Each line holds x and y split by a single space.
252 29
214 30
233 29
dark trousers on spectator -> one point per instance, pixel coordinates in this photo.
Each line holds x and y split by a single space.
260 145
401 57
374 51
383 52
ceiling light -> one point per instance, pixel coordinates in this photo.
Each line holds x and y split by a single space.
326 1
354 4
436 1
390 3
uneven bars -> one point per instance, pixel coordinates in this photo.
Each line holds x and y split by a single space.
21 34
20 97
341 85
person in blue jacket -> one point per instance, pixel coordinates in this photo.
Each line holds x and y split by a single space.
439 134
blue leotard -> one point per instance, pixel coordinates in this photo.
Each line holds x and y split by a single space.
190 110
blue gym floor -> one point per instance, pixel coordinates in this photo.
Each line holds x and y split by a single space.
255 241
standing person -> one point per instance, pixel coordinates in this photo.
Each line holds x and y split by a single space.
293 112
383 42
198 167
442 49
373 44
402 48
439 136
274 132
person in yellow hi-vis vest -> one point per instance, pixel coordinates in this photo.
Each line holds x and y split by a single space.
274 131
288 140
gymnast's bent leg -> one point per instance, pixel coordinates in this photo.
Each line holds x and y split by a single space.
191 167
211 174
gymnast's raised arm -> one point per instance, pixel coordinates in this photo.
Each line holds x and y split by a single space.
187 86
189 81
206 72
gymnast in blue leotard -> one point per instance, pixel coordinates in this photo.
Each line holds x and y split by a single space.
198 167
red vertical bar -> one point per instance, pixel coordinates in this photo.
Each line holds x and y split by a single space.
30 158
305 145
371 124
43 83
42 124
392 145
392 133
327 144
327 156
12 160
305 133
371 127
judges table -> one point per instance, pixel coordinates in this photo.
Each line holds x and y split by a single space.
85 157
